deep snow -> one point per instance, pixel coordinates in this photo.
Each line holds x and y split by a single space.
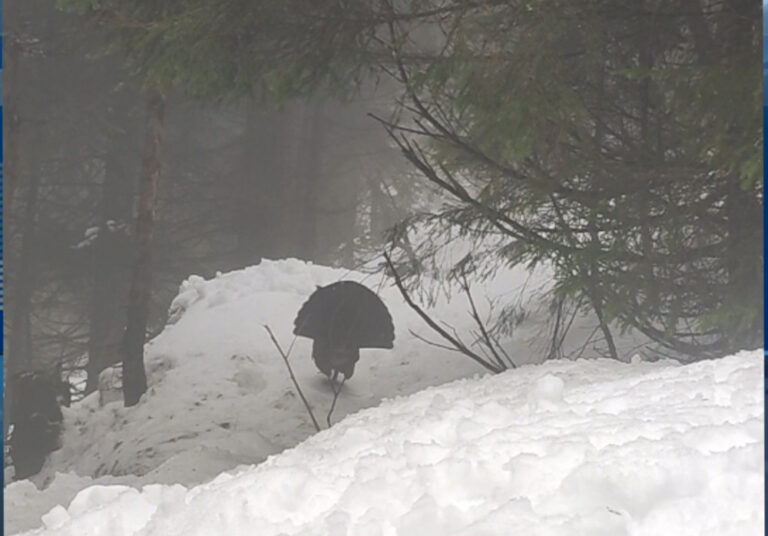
637 449
220 397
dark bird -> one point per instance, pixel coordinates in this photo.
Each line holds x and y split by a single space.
342 318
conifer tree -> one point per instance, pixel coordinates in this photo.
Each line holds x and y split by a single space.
616 140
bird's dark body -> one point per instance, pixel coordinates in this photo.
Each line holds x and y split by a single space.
332 359
342 318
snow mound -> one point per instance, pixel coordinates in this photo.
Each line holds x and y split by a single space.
567 447
219 393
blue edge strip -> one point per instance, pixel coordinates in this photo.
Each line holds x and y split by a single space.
2 294
765 233
765 243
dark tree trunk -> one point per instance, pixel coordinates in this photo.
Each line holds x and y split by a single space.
744 287
743 210
264 226
108 265
646 155
134 376
11 120
19 333
310 176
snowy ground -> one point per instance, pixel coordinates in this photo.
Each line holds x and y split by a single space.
565 447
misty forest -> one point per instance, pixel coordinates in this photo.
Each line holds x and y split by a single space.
259 217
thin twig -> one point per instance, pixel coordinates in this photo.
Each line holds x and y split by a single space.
555 343
567 329
455 341
586 343
433 343
486 338
293 378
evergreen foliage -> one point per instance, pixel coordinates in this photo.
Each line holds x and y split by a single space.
235 48
617 140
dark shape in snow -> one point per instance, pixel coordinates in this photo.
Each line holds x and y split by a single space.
36 421
342 318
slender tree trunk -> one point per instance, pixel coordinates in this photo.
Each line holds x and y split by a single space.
646 155
98 336
108 268
11 120
310 175
592 280
134 375
10 178
262 226
745 283
19 333
743 208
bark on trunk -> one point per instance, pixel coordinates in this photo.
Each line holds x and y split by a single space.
108 264
134 375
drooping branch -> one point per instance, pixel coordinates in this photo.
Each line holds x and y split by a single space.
499 354
454 340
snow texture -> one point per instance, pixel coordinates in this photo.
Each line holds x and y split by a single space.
566 447
636 449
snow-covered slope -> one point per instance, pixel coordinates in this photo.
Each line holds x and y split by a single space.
220 395
591 447
219 392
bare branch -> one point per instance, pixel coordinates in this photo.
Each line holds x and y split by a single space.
460 346
293 378
486 338
433 343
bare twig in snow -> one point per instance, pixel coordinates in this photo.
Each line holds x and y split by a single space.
486 339
293 377
454 340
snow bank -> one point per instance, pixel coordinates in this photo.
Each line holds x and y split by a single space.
567 447
220 395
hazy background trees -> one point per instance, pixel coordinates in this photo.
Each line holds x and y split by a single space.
617 141
241 181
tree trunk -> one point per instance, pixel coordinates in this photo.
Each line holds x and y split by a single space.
310 175
134 376
19 333
108 267
263 225
646 155
11 121
744 286
743 208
